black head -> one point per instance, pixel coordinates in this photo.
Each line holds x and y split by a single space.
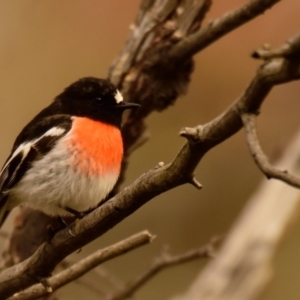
94 98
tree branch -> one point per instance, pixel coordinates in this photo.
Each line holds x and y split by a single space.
243 268
155 65
135 84
85 265
290 48
260 158
218 28
200 140
166 260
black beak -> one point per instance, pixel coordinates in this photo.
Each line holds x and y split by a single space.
128 105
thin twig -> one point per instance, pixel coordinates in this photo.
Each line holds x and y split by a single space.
65 264
261 160
218 28
290 48
100 271
85 265
165 260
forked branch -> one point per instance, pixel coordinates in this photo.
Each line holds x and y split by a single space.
259 156
134 83
80 268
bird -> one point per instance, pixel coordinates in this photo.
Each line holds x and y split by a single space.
67 159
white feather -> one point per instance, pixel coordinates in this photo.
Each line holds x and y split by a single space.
54 131
25 147
118 97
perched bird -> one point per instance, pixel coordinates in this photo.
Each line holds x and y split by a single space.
68 158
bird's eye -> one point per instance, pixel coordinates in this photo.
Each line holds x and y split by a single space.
98 101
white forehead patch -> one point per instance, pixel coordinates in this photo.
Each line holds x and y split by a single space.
118 97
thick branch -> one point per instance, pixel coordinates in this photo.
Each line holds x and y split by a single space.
85 265
200 140
260 158
155 65
143 75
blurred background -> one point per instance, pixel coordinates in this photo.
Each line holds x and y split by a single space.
46 45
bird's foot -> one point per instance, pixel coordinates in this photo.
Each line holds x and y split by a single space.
65 225
77 214
51 232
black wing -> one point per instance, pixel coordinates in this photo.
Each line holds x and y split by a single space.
36 140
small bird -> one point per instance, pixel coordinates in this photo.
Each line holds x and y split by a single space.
68 158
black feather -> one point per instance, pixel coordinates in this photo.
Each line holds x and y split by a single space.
16 167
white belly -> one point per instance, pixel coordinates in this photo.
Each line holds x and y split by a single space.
53 183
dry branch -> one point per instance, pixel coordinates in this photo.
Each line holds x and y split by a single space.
145 76
200 140
242 268
85 265
155 65
220 27
166 260
290 48
260 158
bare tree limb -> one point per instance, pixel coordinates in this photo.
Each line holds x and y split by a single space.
85 265
260 158
290 48
229 122
144 75
200 140
92 282
166 260
243 268
141 71
218 28
150 36
155 65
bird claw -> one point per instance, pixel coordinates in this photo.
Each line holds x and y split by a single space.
66 225
51 232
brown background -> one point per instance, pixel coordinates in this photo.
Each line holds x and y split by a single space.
45 45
